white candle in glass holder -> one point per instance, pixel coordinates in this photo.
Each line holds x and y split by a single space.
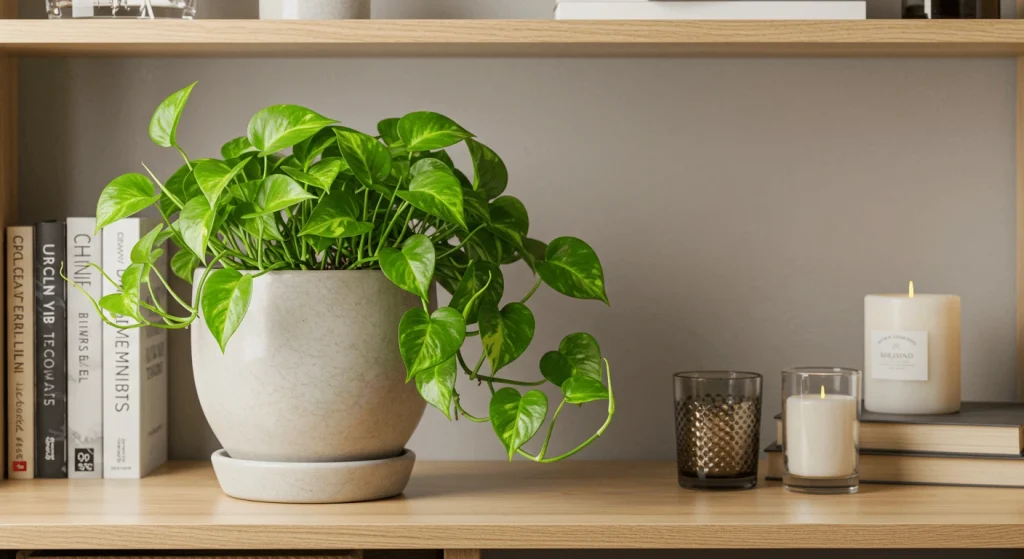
912 353
821 435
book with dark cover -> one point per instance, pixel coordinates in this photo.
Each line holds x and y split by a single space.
993 428
924 468
51 351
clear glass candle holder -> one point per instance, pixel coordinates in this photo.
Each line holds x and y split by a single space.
718 426
144 9
820 407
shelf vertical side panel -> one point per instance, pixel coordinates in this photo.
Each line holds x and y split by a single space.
8 129
1020 224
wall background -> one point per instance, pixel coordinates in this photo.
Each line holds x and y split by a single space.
741 208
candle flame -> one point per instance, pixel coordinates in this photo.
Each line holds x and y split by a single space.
911 290
822 392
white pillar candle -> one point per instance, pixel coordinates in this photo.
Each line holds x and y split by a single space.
912 353
821 435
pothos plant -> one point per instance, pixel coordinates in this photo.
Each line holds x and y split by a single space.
345 200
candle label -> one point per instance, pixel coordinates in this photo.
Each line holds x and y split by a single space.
899 355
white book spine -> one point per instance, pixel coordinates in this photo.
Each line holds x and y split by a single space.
712 10
85 351
134 372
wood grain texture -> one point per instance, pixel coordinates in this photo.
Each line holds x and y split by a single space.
490 505
526 38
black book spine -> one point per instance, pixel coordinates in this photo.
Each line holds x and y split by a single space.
51 351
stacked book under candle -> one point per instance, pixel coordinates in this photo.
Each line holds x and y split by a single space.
710 10
981 446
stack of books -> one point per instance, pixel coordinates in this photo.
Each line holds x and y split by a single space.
710 10
980 446
84 399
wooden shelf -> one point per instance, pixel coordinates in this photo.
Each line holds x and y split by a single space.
516 38
503 506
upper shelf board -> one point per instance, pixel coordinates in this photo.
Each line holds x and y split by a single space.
492 505
513 38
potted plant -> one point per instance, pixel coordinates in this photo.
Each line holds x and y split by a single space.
314 310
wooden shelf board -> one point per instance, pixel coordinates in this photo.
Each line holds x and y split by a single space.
504 506
513 38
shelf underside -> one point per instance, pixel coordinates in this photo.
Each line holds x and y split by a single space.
513 38
494 505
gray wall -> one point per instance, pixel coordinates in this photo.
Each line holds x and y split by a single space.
741 208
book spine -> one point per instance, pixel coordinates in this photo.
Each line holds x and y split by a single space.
21 343
51 352
85 351
154 377
121 360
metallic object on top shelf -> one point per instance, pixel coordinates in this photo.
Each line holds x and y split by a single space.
950 9
121 9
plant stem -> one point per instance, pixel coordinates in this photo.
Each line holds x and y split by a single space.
551 429
466 414
594 437
460 245
536 286
387 231
183 156
167 286
499 380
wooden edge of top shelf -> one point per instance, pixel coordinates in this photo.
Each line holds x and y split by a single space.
514 38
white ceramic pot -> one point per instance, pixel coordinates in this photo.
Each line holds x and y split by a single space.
314 9
314 373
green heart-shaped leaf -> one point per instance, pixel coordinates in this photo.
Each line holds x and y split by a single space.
336 217
572 268
477 209
237 148
388 130
163 127
429 164
555 367
437 385
473 280
180 187
580 390
437 193
196 225
282 126
125 196
131 283
309 149
411 268
505 334
119 305
368 159
489 172
516 419
226 297
184 264
486 246
322 175
279 192
534 251
426 131
509 220
261 226
142 252
583 353
214 176
247 191
426 341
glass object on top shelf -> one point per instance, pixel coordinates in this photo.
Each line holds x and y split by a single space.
128 9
